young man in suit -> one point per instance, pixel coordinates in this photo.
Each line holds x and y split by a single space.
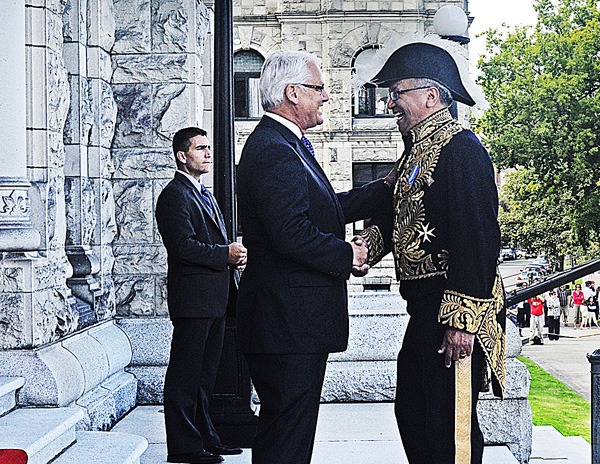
292 305
200 261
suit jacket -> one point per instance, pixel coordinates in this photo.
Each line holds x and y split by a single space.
292 296
198 274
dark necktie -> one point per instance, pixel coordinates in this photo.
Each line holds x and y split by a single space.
206 197
308 145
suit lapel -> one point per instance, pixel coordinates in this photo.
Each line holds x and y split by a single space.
308 160
218 220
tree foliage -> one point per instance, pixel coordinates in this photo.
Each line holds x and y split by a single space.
543 84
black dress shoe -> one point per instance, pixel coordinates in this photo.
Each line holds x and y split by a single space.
203 457
224 449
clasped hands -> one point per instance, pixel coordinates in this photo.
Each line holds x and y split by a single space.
237 254
360 250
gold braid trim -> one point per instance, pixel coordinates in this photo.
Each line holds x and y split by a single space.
480 317
374 239
463 410
414 258
463 312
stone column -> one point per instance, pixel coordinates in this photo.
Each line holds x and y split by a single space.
88 132
16 231
157 82
35 303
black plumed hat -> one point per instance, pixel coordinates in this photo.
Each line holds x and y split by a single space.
424 60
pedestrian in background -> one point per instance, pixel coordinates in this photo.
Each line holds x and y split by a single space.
563 298
553 304
577 299
589 293
536 304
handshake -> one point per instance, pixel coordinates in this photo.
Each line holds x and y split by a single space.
360 249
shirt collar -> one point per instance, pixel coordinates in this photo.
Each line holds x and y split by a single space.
195 183
286 122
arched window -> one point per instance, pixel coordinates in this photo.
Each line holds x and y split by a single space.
369 100
246 73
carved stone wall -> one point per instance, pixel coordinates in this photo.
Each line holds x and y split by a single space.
88 136
161 79
36 307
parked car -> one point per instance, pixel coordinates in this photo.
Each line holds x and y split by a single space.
529 275
539 268
543 262
530 254
508 253
520 254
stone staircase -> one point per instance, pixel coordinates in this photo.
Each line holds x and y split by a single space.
49 435
549 446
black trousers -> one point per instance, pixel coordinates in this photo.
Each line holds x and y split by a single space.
193 365
553 327
425 396
289 389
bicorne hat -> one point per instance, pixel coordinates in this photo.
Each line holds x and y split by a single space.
424 60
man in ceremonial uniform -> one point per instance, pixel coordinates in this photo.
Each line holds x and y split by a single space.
442 227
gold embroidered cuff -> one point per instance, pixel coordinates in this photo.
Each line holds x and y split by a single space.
374 239
464 312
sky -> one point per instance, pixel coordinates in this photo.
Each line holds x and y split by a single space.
491 14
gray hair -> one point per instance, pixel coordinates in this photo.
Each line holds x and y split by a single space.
445 95
281 69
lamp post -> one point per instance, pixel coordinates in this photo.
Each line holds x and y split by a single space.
230 402
450 22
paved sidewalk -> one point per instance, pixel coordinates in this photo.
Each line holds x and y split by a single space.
566 358
347 433
361 433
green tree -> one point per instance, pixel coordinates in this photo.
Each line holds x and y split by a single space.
542 84
532 219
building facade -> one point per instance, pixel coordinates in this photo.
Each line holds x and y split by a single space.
92 91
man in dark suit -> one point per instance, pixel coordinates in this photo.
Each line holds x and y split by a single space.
200 268
292 305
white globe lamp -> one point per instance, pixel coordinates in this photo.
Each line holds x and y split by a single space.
451 22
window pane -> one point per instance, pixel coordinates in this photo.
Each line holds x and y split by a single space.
246 71
381 99
369 100
247 61
362 173
254 108
381 169
240 92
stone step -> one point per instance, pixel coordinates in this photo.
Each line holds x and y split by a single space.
549 444
8 393
41 432
104 447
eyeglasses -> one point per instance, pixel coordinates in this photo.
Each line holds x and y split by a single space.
318 88
395 94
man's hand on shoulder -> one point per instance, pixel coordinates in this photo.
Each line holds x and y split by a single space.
457 344
237 254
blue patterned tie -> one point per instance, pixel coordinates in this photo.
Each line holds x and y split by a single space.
308 145
206 198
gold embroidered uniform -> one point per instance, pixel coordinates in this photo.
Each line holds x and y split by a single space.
441 225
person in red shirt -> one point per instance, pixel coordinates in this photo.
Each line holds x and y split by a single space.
577 298
536 305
